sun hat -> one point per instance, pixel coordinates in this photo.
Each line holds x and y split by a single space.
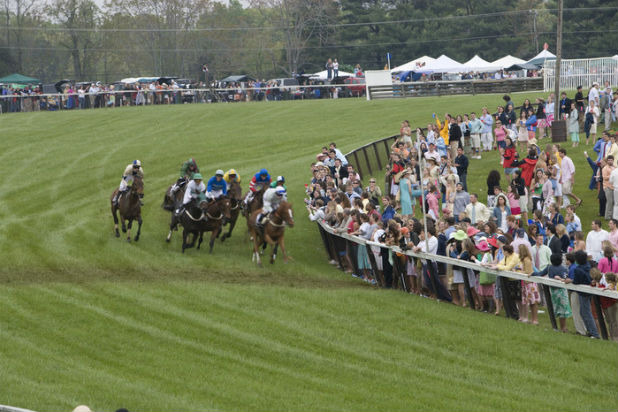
460 235
492 241
472 231
482 246
405 230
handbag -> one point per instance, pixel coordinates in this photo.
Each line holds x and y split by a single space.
486 278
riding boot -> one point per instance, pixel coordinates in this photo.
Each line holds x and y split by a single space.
141 202
258 221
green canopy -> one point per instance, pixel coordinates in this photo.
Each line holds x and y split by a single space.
19 78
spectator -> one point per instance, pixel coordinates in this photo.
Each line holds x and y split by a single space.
594 240
476 211
559 296
462 199
582 277
500 212
486 136
461 163
573 124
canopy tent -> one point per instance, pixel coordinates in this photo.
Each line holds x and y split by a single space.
411 76
19 78
413 65
507 61
543 56
445 64
323 75
239 78
477 64
522 66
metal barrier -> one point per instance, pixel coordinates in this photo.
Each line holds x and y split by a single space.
331 238
446 88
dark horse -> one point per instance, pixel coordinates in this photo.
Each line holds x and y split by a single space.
130 208
255 203
235 194
171 201
272 233
201 217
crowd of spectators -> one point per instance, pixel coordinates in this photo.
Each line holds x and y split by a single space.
526 222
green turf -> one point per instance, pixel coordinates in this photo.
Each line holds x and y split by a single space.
88 318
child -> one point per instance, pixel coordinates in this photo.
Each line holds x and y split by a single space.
582 276
513 197
559 296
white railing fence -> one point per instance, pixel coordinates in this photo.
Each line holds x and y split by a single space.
581 72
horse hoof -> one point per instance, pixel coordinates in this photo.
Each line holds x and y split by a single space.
117 234
124 230
129 239
136 238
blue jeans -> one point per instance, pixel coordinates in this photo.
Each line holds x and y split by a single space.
586 313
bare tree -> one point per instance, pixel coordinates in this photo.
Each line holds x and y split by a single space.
20 10
78 17
300 22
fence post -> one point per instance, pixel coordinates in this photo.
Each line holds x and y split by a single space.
505 296
358 168
367 160
375 149
600 317
467 288
550 307
374 266
326 243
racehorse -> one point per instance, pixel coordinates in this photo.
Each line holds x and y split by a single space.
272 233
172 202
130 208
201 217
235 195
255 203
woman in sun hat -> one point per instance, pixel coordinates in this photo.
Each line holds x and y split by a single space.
455 249
486 280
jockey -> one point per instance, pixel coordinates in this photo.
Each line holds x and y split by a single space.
231 176
261 179
195 189
132 170
216 186
272 198
186 172
279 182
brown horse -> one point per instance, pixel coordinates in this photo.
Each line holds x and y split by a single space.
235 195
255 203
129 207
199 218
173 201
273 232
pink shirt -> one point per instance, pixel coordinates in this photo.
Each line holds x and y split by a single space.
500 133
568 170
607 266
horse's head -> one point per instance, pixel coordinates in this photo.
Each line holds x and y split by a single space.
137 186
284 211
235 191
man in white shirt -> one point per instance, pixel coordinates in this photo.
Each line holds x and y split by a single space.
476 211
595 239
594 94
541 254
432 153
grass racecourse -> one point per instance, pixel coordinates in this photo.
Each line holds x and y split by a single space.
86 318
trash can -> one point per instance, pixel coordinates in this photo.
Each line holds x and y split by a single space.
559 131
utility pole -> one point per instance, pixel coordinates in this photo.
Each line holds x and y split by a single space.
558 61
558 127
536 34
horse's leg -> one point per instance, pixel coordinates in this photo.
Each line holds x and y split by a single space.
122 219
173 224
274 254
139 227
129 226
256 246
229 232
115 215
215 234
282 244
184 240
199 242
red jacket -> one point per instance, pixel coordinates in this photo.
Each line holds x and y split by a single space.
527 169
509 157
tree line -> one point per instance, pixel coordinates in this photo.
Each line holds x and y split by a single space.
84 40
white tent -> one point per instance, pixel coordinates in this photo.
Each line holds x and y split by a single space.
507 61
477 64
445 64
416 64
323 75
542 57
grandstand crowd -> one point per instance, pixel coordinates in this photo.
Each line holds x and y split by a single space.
526 221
